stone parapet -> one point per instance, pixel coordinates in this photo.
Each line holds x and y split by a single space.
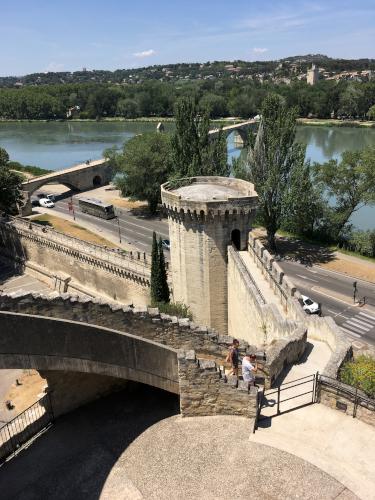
234 196
205 390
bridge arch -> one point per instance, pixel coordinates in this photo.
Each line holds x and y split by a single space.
49 344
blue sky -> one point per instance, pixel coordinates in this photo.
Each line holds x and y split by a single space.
67 35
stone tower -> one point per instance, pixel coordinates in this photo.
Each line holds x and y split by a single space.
205 215
312 75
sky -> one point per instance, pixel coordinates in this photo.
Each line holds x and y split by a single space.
56 35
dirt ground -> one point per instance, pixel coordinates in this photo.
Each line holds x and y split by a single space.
72 229
31 389
322 256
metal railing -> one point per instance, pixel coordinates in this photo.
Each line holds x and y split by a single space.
353 394
26 425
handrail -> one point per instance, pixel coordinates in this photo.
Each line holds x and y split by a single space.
268 270
249 275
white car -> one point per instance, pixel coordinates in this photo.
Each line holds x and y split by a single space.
309 305
46 203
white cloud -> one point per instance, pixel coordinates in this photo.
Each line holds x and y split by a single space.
54 67
259 50
144 53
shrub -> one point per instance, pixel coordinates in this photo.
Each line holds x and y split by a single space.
360 373
174 309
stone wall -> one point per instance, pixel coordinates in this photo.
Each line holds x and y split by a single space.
70 390
283 353
344 398
205 390
323 329
73 264
249 317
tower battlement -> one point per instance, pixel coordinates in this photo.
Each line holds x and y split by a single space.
198 197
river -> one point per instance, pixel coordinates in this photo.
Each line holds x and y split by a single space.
56 145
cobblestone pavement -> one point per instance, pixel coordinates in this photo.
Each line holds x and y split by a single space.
133 445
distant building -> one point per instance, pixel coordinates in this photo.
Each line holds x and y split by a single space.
312 75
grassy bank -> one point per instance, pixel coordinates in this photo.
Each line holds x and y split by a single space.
72 229
335 123
28 169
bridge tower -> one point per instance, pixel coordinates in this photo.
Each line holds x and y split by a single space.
205 215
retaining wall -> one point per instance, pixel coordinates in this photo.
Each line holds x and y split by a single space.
73 264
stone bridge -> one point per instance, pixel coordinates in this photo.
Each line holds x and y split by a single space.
95 340
80 177
241 129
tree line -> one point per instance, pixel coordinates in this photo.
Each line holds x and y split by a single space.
314 201
223 97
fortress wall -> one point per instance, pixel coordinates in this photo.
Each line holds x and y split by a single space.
72 264
205 390
248 317
323 329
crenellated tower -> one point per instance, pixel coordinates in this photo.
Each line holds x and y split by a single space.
205 215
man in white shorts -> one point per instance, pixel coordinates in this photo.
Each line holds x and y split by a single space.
249 368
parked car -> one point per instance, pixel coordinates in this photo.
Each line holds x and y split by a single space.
309 305
51 197
46 203
166 244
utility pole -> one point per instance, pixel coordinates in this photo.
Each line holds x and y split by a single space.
119 228
354 291
71 207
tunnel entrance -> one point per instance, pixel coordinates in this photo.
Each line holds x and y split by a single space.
97 181
236 238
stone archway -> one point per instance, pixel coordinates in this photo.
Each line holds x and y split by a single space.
236 238
97 181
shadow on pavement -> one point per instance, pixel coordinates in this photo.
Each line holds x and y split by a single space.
74 458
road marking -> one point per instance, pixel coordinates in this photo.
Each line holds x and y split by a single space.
367 315
365 322
306 278
350 333
319 290
357 325
333 312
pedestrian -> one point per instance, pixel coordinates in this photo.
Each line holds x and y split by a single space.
233 357
249 368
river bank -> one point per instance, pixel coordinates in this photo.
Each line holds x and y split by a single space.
318 122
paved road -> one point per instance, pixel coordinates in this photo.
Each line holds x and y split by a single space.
134 230
333 290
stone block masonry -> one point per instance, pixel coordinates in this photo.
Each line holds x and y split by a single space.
205 390
86 267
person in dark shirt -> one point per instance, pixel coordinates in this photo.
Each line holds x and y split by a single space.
233 357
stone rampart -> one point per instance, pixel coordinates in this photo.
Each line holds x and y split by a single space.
318 328
73 264
205 390
249 317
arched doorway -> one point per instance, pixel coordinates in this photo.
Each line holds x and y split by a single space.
97 181
236 238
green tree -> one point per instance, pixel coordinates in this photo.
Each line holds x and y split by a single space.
144 164
128 108
303 203
351 182
271 161
194 152
155 263
159 279
163 288
10 185
4 157
371 113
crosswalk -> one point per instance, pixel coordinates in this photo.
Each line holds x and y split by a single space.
359 325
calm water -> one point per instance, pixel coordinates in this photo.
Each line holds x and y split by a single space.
56 145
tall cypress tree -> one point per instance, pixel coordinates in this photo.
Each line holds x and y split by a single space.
163 291
154 269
